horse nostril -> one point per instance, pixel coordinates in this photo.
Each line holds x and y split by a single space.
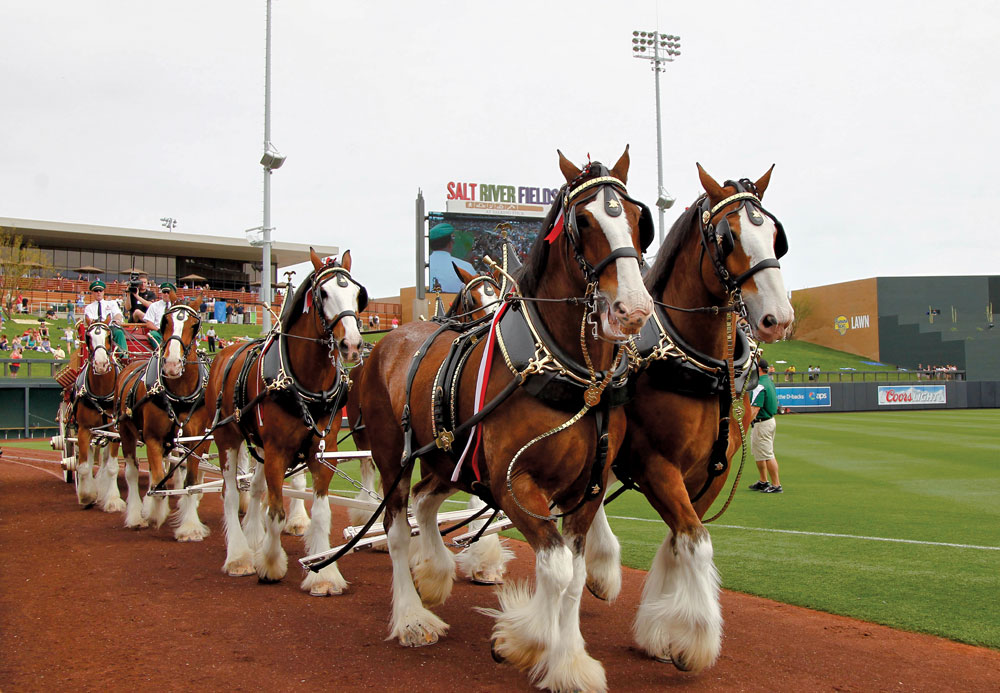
769 321
618 308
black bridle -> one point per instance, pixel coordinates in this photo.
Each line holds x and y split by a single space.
595 180
717 237
343 278
185 348
93 349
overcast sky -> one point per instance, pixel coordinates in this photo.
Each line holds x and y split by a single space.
881 117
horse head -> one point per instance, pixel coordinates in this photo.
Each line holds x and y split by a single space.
479 297
743 243
99 344
608 231
179 327
338 296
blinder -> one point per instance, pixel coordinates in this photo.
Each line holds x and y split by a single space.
720 234
343 279
580 191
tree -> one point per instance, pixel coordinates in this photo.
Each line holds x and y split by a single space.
803 308
17 259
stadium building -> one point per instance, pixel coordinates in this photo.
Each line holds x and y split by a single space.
907 321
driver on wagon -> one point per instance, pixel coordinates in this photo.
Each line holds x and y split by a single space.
101 308
156 311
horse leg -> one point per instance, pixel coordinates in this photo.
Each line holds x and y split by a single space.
86 488
328 581
540 633
298 518
111 502
245 466
239 556
432 564
253 519
485 561
133 504
603 558
270 560
358 516
679 618
155 508
189 526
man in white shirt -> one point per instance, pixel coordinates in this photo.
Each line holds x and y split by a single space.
103 309
156 310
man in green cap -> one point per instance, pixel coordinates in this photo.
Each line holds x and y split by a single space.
107 311
156 311
441 239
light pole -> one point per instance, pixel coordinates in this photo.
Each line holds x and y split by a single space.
169 223
270 161
657 48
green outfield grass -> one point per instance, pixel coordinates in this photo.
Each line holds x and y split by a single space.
890 517
928 477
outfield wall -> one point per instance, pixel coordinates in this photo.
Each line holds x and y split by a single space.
981 394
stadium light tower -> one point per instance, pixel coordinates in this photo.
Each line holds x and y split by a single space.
271 160
658 48
169 223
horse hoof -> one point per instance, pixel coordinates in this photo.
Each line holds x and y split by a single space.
497 657
189 537
325 590
297 529
115 506
240 571
602 597
486 579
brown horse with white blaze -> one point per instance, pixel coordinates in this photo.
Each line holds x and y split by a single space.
719 263
283 394
93 407
540 449
157 401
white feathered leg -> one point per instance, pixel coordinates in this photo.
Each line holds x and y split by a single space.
485 561
111 501
239 556
603 559
253 521
679 617
359 516
133 504
432 564
270 559
540 633
298 518
412 624
328 581
86 487
188 526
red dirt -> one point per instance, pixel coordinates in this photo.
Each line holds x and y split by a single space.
86 604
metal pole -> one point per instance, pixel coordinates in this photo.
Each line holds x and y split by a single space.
659 135
265 277
420 297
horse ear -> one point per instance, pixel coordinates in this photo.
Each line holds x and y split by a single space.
714 190
762 182
620 170
345 260
569 170
317 263
464 275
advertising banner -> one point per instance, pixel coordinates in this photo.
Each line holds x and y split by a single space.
894 395
803 396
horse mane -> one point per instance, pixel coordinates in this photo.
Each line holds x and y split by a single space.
530 274
658 275
291 309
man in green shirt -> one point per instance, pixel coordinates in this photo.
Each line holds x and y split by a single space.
763 407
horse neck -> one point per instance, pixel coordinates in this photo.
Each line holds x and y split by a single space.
563 319
686 288
315 371
101 385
